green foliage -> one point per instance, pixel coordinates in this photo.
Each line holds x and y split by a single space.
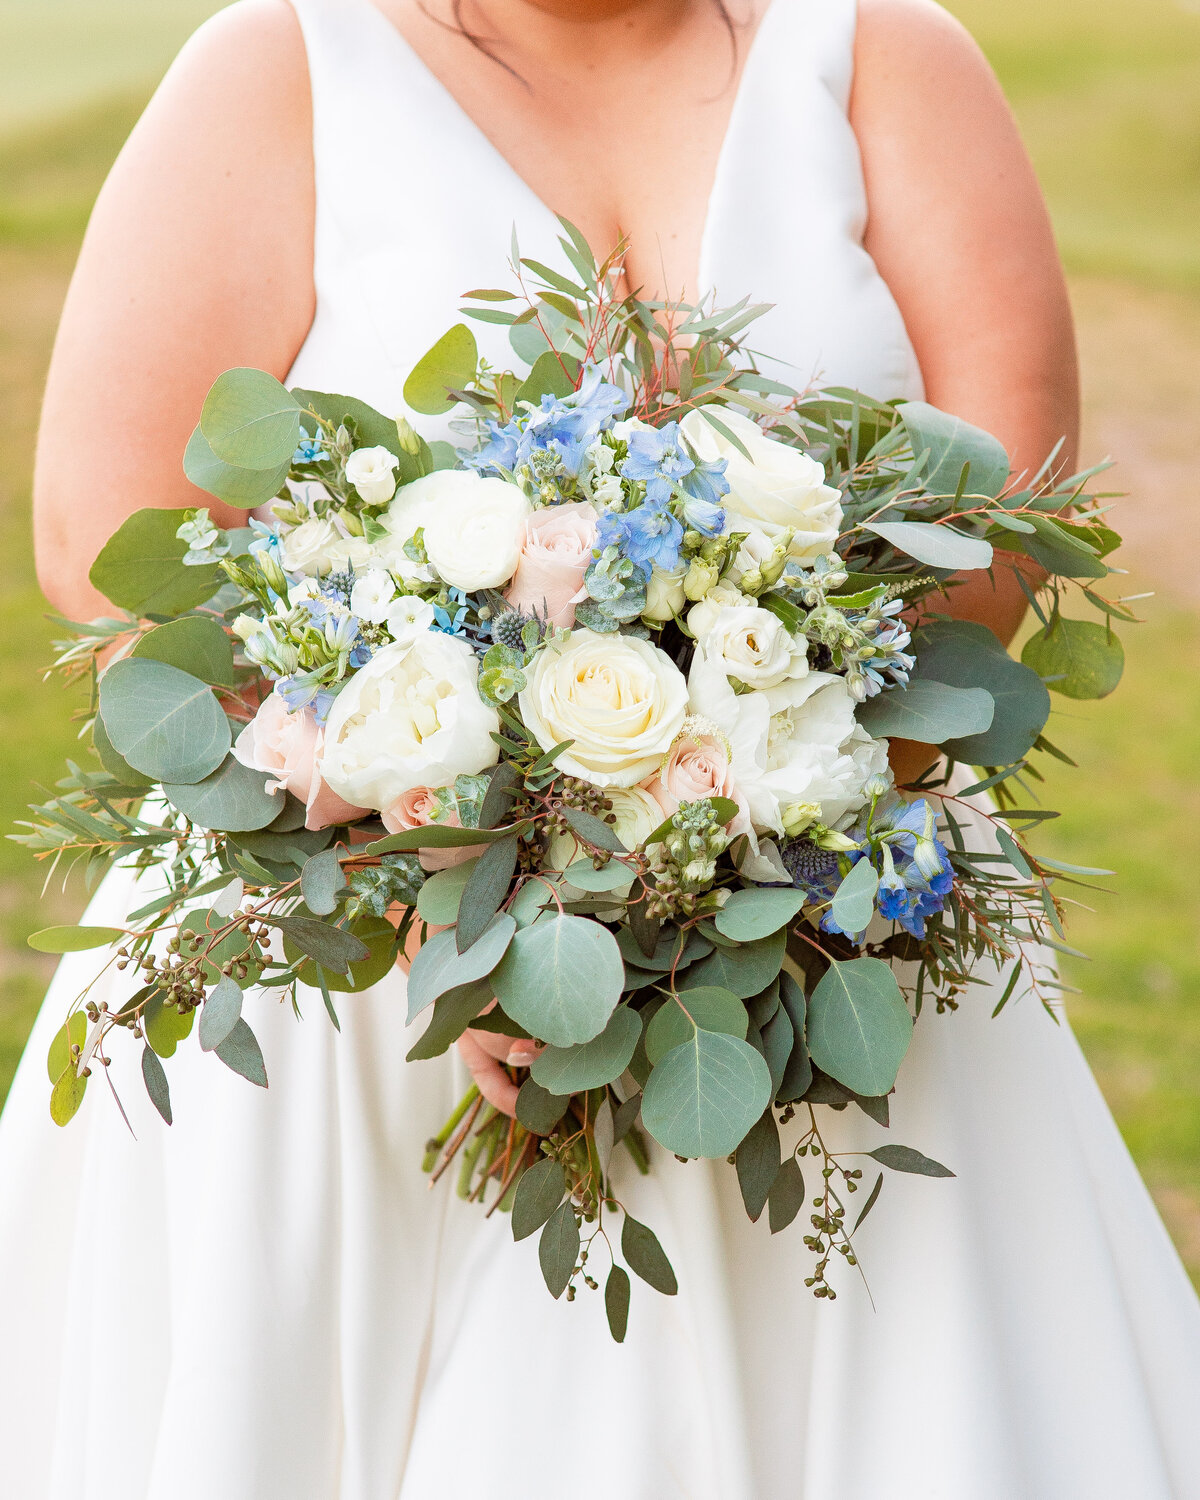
439 897
932 712
166 723
646 1257
936 546
744 971
73 939
485 891
786 1198
858 1025
1077 658
707 1008
232 799
616 1302
220 1013
558 1249
333 948
751 914
448 366
241 1053
66 1096
967 655
439 967
590 1065
194 644
702 1098
140 568
243 488
72 1033
954 446
155 1078
250 420
538 1109
164 1025
453 1012
539 1193
758 1163
561 979
854 900
321 882
905 1159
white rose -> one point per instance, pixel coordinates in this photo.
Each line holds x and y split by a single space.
620 700
754 646
776 489
372 472
372 595
473 527
637 816
664 594
308 548
412 717
702 617
408 616
349 554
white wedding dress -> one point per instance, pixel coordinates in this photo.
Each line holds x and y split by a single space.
267 1302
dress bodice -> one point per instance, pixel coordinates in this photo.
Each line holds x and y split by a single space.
415 205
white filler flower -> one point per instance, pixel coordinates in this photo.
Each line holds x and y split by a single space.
620 700
412 717
372 472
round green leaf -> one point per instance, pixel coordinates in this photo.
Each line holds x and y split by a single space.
584 876
194 644
438 898
165 1027
756 913
74 939
968 655
166 723
703 1097
116 765
859 1027
234 799
250 420
67 1096
72 1033
380 938
744 971
243 488
449 365
854 900
1078 658
710 1009
570 1070
141 567
561 979
952 443
928 711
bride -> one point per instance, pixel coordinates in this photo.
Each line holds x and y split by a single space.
265 1302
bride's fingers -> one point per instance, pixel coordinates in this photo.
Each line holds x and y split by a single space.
488 1072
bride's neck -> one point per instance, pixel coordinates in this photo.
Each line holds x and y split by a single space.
532 26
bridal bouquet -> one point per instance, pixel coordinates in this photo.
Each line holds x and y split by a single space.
590 715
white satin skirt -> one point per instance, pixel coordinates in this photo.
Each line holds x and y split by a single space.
266 1301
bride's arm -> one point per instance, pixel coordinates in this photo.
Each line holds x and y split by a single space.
960 233
198 258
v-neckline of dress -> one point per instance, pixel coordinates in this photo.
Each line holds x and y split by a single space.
752 57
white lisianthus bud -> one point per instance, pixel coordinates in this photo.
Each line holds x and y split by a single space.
701 579
665 595
799 817
372 472
246 626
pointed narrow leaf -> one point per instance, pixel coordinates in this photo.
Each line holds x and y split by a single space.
485 890
558 1249
905 1159
73 939
219 1014
241 1052
872 1199
786 1197
616 1302
539 1193
154 1076
758 1163
453 1012
936 546
646 1257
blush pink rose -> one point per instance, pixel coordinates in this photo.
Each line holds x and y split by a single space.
288 747
554 557
696 767
416 809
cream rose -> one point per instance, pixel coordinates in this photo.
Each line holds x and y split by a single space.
753 646
372 472
473 527
412 717
288 746
776 489
307 548
620 700
555 553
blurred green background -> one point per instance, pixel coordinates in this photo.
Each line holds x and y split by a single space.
1108 95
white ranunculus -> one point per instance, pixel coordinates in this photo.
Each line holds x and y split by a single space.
637 815
412 717
794 743
473 526
309 548
754 646
372 472
372 595
620 700
776 489
664 594
408 616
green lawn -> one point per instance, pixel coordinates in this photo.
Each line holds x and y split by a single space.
1109 97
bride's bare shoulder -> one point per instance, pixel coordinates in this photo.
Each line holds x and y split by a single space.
915 48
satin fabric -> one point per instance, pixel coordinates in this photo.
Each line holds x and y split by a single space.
267 1300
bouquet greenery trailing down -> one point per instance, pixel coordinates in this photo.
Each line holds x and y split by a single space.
591 712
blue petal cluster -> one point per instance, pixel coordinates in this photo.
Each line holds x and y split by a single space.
659 458
561 430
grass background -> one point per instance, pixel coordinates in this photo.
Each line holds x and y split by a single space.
1108 96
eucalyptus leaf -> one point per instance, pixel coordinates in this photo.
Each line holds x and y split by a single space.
646 1257
756 913
786 1198
219 1014
438 898
616 1302
485 891
240 1052
929 711
538 1109
584 876
72 1033
859 1027
1077 658
439 966
453 1012
250 419
745 971
905 1159
449 365
164 1026
593 830
797 1075
74 939
854 900
758 1163
155 1078
590 1065
703 1097
231 799
66 1096
332 947
116 765
952 443
242 488
561 978
936 546
967 655
439 836
547 378
194 644
321 881
140 568
539 1193
166 723
676 1021
558 1248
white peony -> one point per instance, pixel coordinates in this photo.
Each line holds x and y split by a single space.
473 527
372 472
753 646
620 700
372 595
412 717
776 489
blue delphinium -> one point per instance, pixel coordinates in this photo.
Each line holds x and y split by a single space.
649 535
659 458
553 438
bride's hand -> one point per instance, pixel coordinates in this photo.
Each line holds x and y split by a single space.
486 1053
